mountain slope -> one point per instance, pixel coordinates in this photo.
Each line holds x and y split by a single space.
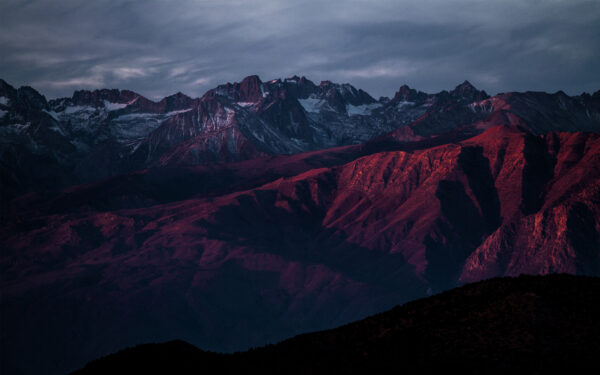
304 252
228 221
528 324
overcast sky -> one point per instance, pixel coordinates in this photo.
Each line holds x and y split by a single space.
160 47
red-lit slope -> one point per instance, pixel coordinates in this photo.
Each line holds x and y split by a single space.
554 225
304 252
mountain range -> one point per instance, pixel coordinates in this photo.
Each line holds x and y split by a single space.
263 210
95 134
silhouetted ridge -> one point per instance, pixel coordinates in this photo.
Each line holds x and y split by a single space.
529 324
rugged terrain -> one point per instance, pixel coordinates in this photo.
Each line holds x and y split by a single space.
52 144
267 209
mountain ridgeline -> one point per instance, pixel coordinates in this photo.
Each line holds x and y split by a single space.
49 145
263 210
530 324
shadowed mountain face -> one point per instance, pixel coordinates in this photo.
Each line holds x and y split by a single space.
541 324
224 231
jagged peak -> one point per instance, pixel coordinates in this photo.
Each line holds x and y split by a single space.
251 79
250 89
31 97
466 83
300 81
293 78
178 94
341 87
5 85
176 101
95 97
408 94
466 89
561 93
6 89
405 90
303 79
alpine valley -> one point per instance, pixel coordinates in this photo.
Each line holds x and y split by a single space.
263 210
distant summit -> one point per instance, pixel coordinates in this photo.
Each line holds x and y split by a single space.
468 92
80 137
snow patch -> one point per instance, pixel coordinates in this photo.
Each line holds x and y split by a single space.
222 92
403 104
134 126
312 104
487 105
110 106
21 126
362 110
258 136
3 100
57 129
53 114
347 89
173 113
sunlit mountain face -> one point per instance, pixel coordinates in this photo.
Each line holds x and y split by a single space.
228 175
267 209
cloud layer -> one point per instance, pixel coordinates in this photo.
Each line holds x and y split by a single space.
160 47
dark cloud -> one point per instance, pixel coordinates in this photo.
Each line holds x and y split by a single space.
160 47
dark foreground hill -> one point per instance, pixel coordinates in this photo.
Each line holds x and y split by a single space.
529 324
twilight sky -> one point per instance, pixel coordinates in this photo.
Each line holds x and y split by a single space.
160 47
